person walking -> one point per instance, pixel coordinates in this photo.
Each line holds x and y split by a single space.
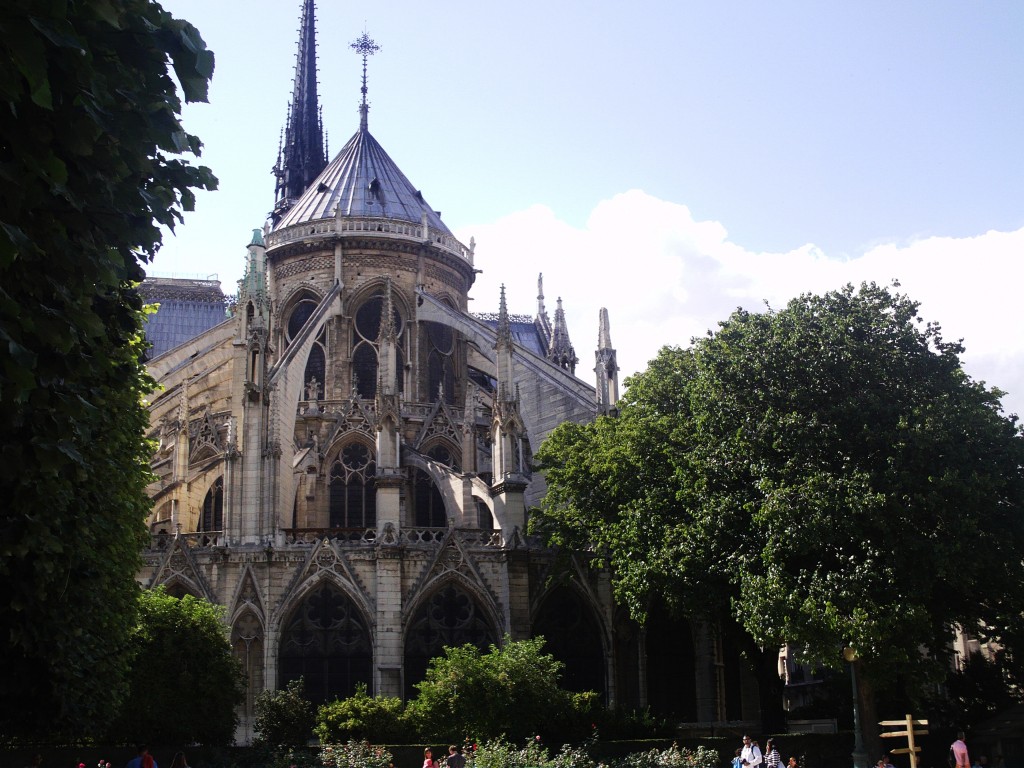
750 755
455 758
772 759
958 750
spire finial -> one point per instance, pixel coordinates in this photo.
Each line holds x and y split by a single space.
302 157
366 47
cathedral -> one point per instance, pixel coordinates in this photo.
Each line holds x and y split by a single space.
343 459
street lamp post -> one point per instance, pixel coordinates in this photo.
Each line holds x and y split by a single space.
859 754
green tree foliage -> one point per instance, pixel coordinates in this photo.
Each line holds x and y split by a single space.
362 716
285 717
469 694
185 679
826 472
90 167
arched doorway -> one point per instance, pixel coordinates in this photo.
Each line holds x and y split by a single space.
326 642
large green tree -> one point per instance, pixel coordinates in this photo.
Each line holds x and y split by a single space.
91 166
825 475
185 680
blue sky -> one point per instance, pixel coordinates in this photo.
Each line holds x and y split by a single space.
667 160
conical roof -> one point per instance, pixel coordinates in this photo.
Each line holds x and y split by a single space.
362 182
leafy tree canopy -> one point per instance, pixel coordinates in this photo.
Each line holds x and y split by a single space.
91 164
185 679
826 472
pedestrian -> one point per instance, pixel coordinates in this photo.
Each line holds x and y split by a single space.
750 755
792 763
430 762
771 754
179 761
958 752
455 759
143 759
737 762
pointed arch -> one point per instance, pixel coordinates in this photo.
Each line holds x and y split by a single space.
352 485
325 639
669 646
178 586
211 517
575 636
367 306
449 615
248 644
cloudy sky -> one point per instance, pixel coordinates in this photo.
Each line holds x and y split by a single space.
667 160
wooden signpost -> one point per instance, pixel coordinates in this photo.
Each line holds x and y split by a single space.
911 728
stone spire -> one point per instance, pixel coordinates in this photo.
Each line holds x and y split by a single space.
302 155
607 368
561 351
542 321
503 348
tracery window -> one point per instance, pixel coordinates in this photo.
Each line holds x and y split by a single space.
365 331
450 618
353 498
315 375
212 518
327 643
440 364
442 454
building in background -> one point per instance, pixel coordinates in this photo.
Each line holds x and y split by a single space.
345 464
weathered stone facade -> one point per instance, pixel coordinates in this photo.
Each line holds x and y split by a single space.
344 465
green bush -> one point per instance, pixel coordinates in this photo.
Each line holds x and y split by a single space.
513 688
362 716
284 718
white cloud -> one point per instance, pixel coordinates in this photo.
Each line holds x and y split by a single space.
665 277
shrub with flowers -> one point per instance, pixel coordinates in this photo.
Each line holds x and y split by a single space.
354 754
673 757
499 753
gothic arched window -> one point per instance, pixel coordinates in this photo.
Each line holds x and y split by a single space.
327 643
450 618
365 331
440 364
572 636
316 365
353 502
300 314
428 503
212 518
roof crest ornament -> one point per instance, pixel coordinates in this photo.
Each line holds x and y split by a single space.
366 47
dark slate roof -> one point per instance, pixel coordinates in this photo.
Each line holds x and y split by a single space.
361 182
187 309
524 330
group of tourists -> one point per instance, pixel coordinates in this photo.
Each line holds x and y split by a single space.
750 755
455 758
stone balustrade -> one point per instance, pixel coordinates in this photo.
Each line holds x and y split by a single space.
362 226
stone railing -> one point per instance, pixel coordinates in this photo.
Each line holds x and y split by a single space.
378 227
349 537
471 537
194 540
